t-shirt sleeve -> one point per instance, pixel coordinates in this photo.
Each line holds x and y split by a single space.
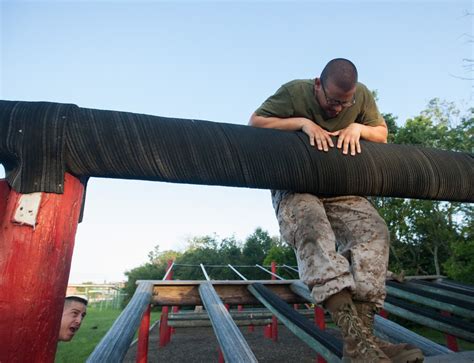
370 114
279 105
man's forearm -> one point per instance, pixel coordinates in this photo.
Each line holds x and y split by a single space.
374 133
289 124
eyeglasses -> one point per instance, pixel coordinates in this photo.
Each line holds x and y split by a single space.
334 102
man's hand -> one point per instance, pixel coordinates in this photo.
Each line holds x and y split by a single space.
349 137
317 135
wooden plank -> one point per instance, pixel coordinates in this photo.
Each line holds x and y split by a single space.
231 341
186 293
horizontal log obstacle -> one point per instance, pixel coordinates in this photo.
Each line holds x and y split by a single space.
186 292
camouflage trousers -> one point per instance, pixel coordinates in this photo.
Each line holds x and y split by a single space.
339 242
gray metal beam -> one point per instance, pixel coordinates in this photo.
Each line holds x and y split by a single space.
432 323
386 328
232 343
430 302
297 330
114 345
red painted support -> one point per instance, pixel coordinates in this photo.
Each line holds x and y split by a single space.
383 313
34 269
240 308
175 310
274 331
267 331
165 330
143 335
221 356
321 324
451 340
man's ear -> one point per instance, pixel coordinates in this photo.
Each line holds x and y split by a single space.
317 83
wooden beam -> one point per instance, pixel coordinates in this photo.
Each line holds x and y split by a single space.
185 293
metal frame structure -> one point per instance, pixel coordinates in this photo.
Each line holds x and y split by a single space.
277 295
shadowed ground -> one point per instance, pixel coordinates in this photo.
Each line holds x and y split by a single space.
200 345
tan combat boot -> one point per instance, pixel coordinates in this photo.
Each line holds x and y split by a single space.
398 353
359 346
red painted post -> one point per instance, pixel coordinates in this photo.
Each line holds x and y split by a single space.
383 313
175 310
240 308
267 331
319 321
274 331
221 356
34 269
143 335
451 340
164 328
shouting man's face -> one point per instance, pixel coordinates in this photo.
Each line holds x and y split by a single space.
73 313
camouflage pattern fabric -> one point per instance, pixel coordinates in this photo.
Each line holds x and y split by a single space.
340 242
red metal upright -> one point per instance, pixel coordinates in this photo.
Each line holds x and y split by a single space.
321 324
165 330
274 332
34 267
451 340
143 336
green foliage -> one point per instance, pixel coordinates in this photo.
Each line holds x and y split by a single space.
214 253
430 237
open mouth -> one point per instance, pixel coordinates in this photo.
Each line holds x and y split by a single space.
73 330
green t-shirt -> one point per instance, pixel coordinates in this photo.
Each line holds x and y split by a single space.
297 99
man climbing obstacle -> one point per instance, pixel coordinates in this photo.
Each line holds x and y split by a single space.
341 242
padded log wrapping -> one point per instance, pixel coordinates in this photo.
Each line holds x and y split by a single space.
133 146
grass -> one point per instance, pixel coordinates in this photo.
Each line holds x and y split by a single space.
94 327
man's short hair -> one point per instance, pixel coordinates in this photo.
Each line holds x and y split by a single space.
342 72
78 298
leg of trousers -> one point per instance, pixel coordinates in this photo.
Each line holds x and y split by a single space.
340 243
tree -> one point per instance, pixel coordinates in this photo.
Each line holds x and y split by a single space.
425 233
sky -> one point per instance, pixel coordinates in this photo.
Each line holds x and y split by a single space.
215 61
